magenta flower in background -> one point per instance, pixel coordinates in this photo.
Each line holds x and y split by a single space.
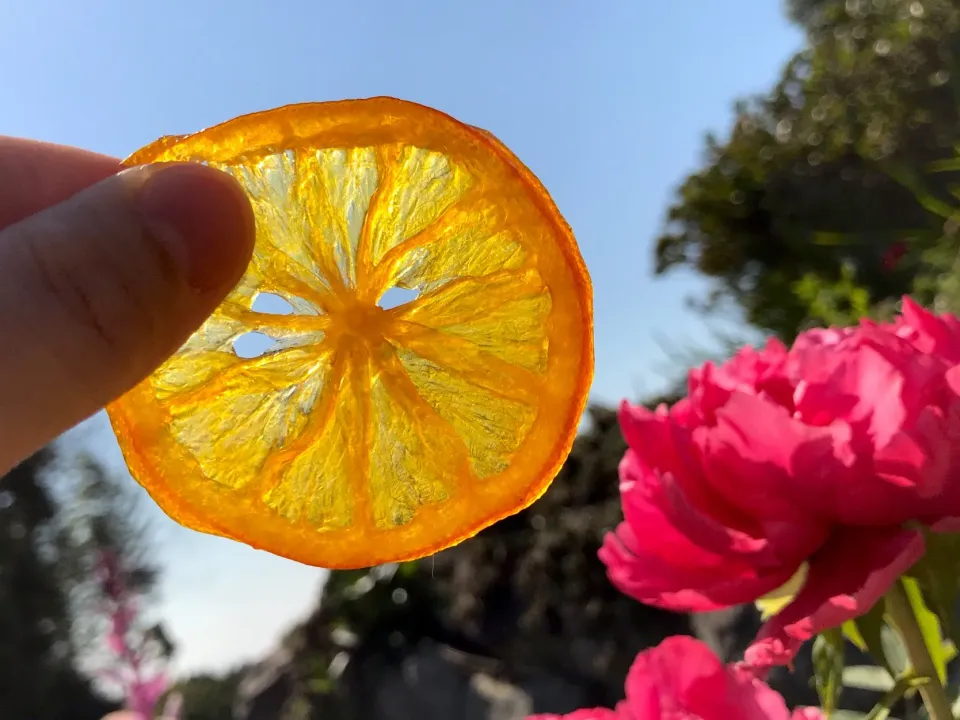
142 688
590 714
796 466
682 678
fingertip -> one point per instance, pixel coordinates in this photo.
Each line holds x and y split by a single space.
101 289
204 220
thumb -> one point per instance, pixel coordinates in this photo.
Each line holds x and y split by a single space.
99 290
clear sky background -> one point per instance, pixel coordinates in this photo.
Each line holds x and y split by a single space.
607 101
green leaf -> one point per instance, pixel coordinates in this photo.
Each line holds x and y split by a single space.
951 165
911 182
929 627
894 651
868 677
937 575
852 633
866 633
828 665
881 711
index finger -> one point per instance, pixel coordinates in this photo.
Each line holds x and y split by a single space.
35 175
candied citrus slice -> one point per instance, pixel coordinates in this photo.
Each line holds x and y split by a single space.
368 434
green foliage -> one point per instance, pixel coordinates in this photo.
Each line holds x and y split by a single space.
866 633
891 697
39 678
57 513
937 575
209 697
837 302
382 612
929 628
828 664
906 638
868 677
801 216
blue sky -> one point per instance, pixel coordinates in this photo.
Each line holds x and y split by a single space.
608 107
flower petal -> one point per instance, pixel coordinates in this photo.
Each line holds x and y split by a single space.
661 679
659 445
649 559
587 714
682 677
144 695
649 434
931 334
658 582
776 470
651 498
808 713
847 577
708 533
755 700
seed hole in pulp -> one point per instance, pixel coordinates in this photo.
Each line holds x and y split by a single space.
396 296
253 344
271 304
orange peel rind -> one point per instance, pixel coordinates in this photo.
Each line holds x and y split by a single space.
369 434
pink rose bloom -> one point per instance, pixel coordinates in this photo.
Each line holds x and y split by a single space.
591 714
681 679
796 464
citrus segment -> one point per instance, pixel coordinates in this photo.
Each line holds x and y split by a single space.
491 423
510 323
415 456
310 480
417 188
367 434
251 409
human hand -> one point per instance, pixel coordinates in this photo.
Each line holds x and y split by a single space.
103 275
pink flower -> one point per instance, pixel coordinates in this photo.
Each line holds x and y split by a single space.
800 464
807 713
143 694
681 679
592 714
142 688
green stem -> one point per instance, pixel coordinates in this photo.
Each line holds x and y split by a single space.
932 692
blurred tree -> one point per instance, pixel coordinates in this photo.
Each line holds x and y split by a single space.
208 697
38 676
58 514
809 211
98 515
528 592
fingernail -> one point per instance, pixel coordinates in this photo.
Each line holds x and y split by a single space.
202 218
